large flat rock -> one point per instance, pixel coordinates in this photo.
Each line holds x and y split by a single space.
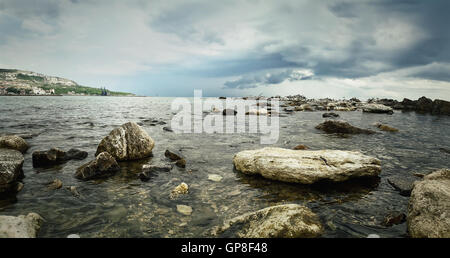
21 226
306 166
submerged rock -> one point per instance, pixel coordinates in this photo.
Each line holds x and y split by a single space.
386 128
184 209
149 169
341 127
282 221
394 218
402 184
306 167
104 165
11 162
13 142
429 206
128 142
181 163
377 108
215 177
55 184
21 226
55 156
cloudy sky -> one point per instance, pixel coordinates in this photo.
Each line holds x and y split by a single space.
396 49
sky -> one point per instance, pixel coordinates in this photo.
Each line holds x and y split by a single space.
337 49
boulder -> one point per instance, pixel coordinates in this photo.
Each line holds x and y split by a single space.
341 127
13 142
429 206
281 221
55 156
20 227
104 165
306 167
128 142
11 162
377 108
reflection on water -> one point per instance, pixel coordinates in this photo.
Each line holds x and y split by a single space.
124 206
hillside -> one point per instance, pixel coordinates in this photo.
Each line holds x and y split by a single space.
18 82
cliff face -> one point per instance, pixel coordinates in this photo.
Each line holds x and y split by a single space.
19 82
10 77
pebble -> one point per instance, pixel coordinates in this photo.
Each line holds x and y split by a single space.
215 177
184 209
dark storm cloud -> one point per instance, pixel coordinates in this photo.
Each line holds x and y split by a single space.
253 81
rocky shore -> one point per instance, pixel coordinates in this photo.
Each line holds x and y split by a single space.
129 143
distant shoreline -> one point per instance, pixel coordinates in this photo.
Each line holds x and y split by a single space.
60 95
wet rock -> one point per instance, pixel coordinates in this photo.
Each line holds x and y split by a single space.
51 157
331 114
377 108
55 184
215 177
258 112
402 184
306 167
182 188
222 98
341 127
184 209
20 227
441 107
104 165
73 236
300 147
11 162
173 155
445 150
424 105
74 191
394 218
13 142
56 156
167 129
373 236
19 187
429 206
181 163
148 170
128 142
229 112
282 221
386 128
76 154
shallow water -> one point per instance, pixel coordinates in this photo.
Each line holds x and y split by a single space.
124 206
